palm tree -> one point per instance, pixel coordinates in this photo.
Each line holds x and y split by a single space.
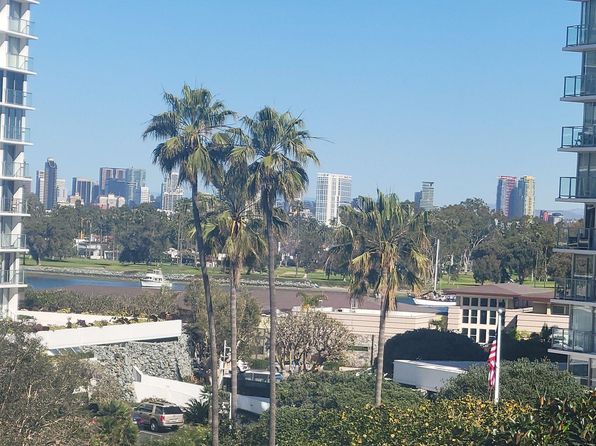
277 152
233 233
388 241
186 131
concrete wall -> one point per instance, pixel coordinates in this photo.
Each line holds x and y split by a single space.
423 375
174 391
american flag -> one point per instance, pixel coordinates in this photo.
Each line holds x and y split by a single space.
492 364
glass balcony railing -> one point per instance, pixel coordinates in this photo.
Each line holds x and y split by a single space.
17 170
578 136
576 238
11 277
11 205
580 35
12 241
583 187
20 62
20 26
20 134
18 97
578 86
567 187
573 340
579 290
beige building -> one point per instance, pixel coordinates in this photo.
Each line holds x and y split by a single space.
527 310
527 191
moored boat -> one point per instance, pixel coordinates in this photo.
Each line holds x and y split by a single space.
155 279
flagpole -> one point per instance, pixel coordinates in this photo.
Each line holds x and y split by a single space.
501 312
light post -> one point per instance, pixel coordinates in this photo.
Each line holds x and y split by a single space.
500 320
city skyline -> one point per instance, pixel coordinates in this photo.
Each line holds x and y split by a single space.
394 96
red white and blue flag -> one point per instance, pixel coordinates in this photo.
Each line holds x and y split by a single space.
492 364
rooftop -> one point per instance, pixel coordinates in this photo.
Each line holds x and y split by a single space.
505 290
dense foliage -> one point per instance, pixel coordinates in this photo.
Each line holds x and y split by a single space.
522 381
427 344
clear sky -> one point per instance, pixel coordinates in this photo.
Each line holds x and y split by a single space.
456 92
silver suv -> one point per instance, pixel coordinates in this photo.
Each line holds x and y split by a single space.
158 416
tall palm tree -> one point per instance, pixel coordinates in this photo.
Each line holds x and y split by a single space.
185 132
234 233
277 152
388 241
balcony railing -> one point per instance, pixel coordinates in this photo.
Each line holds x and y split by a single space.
11 205
20 62
17 170
11 277
578 136
573 340
577 86
579 290
576 238
18 97
20 26
8 241
580 35
20 134
583 187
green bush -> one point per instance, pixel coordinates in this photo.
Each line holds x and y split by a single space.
185 436
196 412
426 344
522 381
259 364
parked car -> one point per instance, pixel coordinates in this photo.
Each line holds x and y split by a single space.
158 415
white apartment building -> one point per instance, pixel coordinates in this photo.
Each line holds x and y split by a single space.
171 193
16 31
333 190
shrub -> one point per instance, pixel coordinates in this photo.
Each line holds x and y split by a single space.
196 412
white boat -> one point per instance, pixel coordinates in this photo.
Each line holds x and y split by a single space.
442 301
155 279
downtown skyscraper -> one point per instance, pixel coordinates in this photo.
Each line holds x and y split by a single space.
333 191
15 68
515 197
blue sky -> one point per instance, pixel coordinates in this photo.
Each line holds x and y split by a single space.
456 92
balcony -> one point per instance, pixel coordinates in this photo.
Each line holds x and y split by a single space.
17 134
579 89
19 62
17 97
14 170
577 290
576 238
577 189
12 206
578 138
20 26
12 242
12 277
573 340
580 38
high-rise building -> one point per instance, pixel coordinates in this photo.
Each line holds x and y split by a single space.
144 195
171 192
505 187
40 185
61 195
576 294
425 199
106 173
138 178
526 190
84 189
50 183
16 27
333 191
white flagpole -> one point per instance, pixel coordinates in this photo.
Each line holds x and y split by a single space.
500 313
436 266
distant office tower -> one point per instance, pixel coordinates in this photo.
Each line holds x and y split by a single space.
171 192
138 178
142 195
15 71
50 184
106 173
61 195
120 188
40 185
333 190
426 197
505 187
521 202
84 189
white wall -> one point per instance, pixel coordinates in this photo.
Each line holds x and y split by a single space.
423 375
176 392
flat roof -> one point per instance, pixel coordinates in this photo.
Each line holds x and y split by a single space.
505 290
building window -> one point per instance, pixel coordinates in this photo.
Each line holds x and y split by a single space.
492 318
464 331
484 302
559 309
491 335
474 301
493 303
482 336
473 334
579 369
466 317
483 317
474 317
466 301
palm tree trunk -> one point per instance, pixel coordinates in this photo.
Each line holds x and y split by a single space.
381 349
210 316
273 324
234 285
